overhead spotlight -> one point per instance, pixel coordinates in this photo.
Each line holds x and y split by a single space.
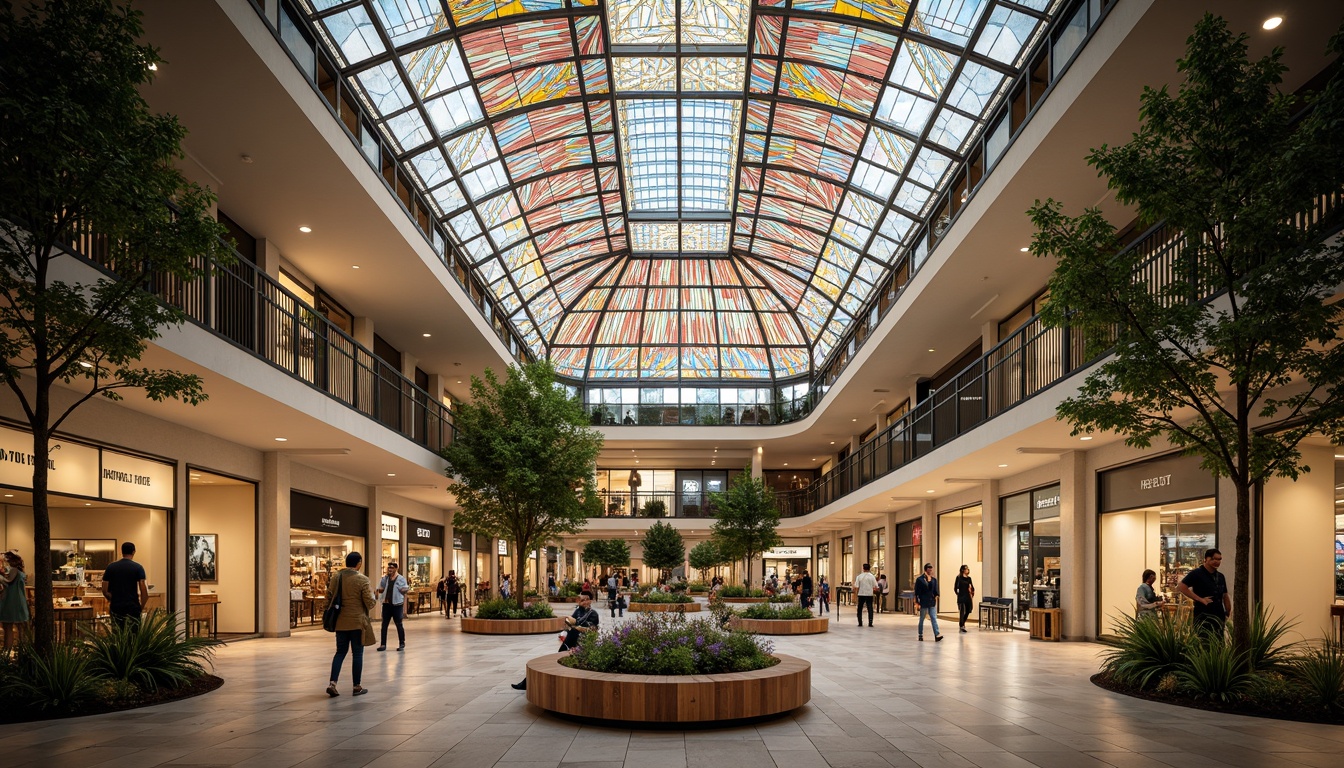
1001 466
1024 249
426 335
305 230
85 364
155 68
1272 22
282 439
1085 437
391 474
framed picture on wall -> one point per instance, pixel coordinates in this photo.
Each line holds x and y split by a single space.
203 557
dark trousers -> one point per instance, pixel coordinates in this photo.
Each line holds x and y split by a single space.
824 603
450 604
1208 624
805 599
393 613
868 601
346 640
963 610
123 616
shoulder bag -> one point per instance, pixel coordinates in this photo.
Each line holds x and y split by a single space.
333 610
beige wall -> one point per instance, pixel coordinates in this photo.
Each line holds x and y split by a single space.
1298 555
1130 542
230 512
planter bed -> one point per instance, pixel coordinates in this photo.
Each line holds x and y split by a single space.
512 626
663 607
1248 708
745 599
812 626
563 599
685 699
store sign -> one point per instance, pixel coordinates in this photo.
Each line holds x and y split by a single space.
428 534
136 481
391 527
1160 481
71 468
313 513
503 546
1049 502
788 553
461 540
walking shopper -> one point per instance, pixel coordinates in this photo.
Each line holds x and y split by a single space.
585 618
124 587
864 586
824 596
352 624
392 589
13 599
805 590
882 591
452 590
926 597
965 591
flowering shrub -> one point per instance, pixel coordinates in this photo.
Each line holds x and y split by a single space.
655 644
763 611
662 597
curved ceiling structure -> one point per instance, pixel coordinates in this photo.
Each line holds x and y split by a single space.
681 189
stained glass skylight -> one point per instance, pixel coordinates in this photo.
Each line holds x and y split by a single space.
680 189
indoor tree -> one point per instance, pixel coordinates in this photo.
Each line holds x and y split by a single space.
747 519
1236 361
608 553
84 160
522 460
663 548
706 555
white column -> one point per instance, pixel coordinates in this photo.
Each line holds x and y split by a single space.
274 545
1073 512
757 459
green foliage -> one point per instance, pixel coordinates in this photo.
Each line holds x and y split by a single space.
665 598
1267 649
706 555
1220 163
523 460
1147 649
747 519
83 155
697 586
663 547
611 553
1215 669
658 644
734 590
764 611
568 590
654 508
1320 673
57 681
509 609
150 656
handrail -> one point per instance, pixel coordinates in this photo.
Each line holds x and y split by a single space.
243 305
1031 360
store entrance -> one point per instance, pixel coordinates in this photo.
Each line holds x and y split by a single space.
221 554
1169 539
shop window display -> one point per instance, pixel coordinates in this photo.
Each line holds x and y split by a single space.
960 542
909 559
1031 547
1170 539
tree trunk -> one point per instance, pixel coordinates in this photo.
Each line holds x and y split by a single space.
520 570
1241 578
43 618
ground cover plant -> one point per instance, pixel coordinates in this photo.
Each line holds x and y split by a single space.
658 644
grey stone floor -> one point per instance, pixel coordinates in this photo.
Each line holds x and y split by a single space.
879 698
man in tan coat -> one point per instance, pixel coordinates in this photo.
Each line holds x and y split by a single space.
352 588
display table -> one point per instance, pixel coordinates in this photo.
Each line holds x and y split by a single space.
69 620
844 595
203 615
994 613
1047 624
297 607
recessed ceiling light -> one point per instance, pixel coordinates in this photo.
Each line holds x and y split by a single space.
282 439
932 350
786 463
9 495
85 364
833 443
1272 22
931 491
391 474
1024 249
426 335
87 504
636 461
354 266
1002 465
459 382
1085 437
155 68
853 419
305 230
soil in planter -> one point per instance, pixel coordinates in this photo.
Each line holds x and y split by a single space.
1245 707
203 684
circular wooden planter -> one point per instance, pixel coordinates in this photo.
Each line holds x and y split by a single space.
666 698
745 599
812 626
512 626
664 607
563 599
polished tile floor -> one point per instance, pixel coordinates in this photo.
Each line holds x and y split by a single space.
879 698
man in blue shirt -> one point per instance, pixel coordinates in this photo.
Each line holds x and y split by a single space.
926 597
124 587
392 589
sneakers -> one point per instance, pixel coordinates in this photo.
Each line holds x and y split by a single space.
963 630
331 690
937 638
401 647
921 638
359 691
381 648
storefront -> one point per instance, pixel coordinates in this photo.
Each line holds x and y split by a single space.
787 562
1031 547
390 533
909 559
322 532
823 562
877 551
98 499
961 542
847 573
424 553
462 557
1159 514
504 552
484 547
222 567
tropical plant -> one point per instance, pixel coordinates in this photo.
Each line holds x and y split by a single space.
523 460
659 644
654 508
1214 668
1267 649
663 548
84 156
510 609
1222 164
55 681
747 519
1144 650
763 611
1320 672
151 655
608 553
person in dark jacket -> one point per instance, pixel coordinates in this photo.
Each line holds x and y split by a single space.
965 591
584 619
805 590
926 597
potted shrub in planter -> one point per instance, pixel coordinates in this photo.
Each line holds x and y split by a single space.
663 602
665 669
736 594
504 617
769 620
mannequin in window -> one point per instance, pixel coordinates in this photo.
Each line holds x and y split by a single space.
629 418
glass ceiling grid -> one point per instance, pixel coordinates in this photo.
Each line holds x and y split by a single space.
799 143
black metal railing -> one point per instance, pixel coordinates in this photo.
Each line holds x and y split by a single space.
778 411
632 504
243 305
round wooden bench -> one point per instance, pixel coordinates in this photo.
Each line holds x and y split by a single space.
512 626
812 626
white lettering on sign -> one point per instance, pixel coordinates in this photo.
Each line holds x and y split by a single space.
1053 501
422 533
331 522
1149 483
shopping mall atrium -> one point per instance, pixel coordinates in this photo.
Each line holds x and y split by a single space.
782 237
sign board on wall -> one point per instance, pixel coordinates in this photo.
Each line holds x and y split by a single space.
83 470
424 533
314 513
503 546
391 528
788 553
136 481
1160 481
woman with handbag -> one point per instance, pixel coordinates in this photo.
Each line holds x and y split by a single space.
352 598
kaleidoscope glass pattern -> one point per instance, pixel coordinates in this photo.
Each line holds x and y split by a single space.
680 189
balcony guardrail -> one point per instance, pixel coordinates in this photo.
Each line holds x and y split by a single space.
631 504
243 305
